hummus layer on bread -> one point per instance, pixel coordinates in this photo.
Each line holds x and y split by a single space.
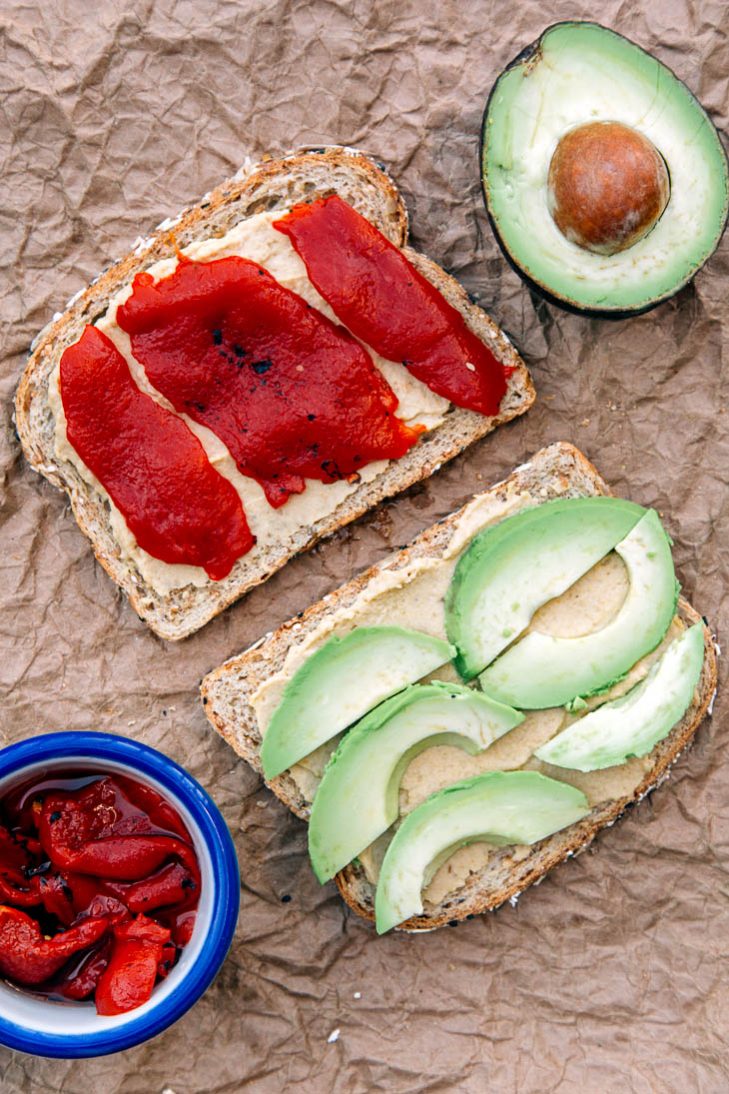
414 596
253 238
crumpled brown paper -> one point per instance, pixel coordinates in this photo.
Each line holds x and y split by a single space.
612 975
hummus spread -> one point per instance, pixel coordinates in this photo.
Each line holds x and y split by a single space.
255 239
414 596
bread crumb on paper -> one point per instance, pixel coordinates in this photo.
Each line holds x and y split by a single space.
333 1036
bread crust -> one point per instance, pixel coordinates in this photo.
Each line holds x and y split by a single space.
560 470
274 183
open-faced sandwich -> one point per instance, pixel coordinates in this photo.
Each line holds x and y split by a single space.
259 372
466 714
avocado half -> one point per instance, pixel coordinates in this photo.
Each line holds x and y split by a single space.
575 74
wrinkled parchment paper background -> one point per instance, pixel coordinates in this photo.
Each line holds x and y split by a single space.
613 974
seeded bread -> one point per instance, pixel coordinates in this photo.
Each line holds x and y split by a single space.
270 185
557 471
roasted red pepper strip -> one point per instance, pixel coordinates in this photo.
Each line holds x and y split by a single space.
28 957
85 891
291 394
11 892
380 296
14 856
168 959
154 805
122 858
95 811
181 925
177 506
98 831
130 976
174 885
56 897
87 976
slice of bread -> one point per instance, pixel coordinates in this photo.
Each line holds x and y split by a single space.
557 471
275 184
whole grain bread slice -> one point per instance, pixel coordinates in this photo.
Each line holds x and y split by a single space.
274 184
557 471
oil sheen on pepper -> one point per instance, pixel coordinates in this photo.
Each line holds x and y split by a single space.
99 884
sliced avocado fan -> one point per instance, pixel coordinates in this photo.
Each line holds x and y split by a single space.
542 671
634 724
498 807
513 568
357 799
661 211
339 683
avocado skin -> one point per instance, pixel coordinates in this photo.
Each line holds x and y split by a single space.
536 287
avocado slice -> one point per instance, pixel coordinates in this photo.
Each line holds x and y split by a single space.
339 683
501 807
581 78
357 799
513 568
634 724
544 671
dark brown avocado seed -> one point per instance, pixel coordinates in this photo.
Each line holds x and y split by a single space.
607 186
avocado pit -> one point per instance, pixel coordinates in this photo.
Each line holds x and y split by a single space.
608 185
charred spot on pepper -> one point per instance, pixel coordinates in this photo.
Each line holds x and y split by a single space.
188 883
311 417
262 366
217 337
34 871
331 470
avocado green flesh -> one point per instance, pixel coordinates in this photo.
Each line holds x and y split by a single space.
634 724
579 73
357 799
512 569
543 671
498 807
339 683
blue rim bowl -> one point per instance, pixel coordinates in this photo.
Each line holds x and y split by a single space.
73 1030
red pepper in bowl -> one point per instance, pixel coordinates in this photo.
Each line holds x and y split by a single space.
30 958
136 953
99 883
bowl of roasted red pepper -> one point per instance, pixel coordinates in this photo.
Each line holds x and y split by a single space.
119 893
